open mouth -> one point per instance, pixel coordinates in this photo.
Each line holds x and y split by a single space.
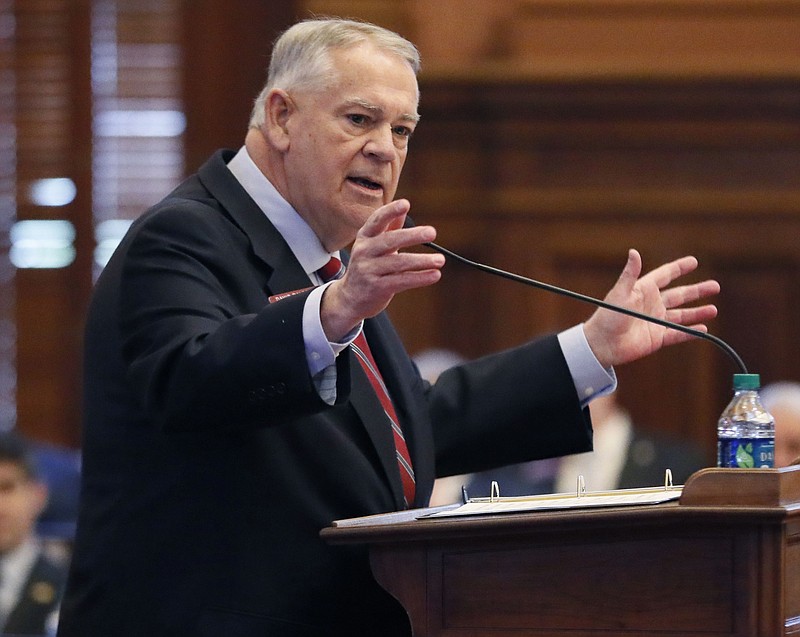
365 183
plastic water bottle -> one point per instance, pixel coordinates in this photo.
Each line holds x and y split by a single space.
746 431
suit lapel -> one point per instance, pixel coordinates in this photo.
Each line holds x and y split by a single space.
268 245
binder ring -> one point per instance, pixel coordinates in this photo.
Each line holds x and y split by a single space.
581 488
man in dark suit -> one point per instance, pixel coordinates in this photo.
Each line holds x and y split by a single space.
227 418
31 581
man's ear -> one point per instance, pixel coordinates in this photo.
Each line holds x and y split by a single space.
278 108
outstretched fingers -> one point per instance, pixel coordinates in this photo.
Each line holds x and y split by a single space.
615 340
383 233
680 295
380 267
692 315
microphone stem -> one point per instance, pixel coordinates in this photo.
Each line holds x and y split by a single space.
589 299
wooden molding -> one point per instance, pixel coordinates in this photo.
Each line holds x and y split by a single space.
591 39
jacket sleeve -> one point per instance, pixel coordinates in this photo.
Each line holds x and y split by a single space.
509 407
202 342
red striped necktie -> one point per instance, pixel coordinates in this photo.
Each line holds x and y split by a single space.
333 270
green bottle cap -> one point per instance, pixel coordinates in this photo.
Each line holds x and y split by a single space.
746 381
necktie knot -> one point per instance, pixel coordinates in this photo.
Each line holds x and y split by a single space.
333 269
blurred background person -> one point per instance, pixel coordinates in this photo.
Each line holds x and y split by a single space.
31 580
782 400
624 457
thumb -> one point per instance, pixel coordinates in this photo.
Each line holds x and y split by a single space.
630 273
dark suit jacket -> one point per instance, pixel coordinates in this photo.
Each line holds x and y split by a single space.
38 600
210 462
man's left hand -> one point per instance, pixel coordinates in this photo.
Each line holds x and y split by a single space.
616 338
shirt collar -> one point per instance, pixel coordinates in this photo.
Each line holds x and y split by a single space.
304 244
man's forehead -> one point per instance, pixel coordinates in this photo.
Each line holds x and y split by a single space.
358 72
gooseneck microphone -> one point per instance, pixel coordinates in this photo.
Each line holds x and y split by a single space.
409 223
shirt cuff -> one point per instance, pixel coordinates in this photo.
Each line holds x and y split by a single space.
320 352
591 379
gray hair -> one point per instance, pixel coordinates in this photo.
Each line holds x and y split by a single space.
300 57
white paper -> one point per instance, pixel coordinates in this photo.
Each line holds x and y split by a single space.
624 497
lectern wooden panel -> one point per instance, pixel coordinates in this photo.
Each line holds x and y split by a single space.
722 560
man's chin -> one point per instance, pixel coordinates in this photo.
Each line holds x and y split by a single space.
351 218
356 215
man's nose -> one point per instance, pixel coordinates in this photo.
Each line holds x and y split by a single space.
381 144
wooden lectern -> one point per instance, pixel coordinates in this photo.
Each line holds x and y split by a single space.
722 560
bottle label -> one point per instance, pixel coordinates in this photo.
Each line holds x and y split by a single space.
746 453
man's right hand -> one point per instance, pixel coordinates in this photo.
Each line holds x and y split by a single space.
378 270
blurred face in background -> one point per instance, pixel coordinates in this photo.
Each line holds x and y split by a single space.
22 499
787 434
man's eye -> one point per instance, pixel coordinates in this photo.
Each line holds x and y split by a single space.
402 131
357 119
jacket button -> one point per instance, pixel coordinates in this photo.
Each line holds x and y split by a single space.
257 396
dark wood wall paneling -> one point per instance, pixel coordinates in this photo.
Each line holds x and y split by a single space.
557 180
226 53
53 140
